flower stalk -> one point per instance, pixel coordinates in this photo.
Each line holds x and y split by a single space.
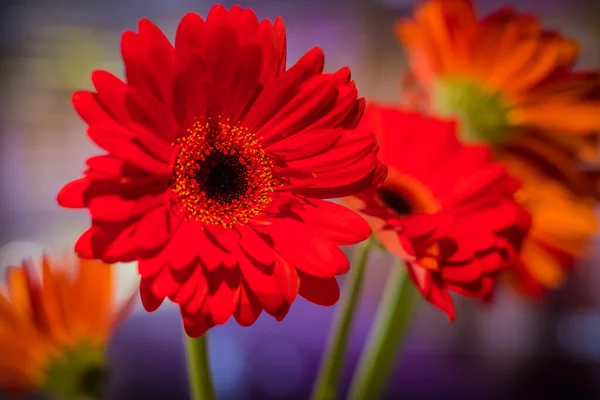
200 381
387 334
331 366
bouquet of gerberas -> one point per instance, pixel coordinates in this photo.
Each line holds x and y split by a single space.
219 161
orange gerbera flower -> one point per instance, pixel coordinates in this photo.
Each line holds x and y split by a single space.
511 83
501 71
53 331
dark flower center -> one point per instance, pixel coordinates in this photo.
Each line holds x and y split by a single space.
398 203
93 380
222 177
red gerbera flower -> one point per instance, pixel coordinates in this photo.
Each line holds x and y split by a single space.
444 208
218 161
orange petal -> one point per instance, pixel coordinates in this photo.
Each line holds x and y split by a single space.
542 267
580 118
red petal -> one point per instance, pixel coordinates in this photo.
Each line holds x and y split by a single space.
217 15
255 246
352 147
481 186
189 38
263 283
307 251
467 272
123 246
245 84
312 100
152 230
212 257
72 195
181 248
196 325
337 185
149 300
281 45
305 144
161 126
431 290
194 284
148 63
351 161
335 222
221 55
246 23
148 267
88 106
222 303
199 296
353 118
310 64
268 103
321 291
493 261
164 284
160 52
332 111
191 89
111 95
120 142
420 225
248 309
225 238
95 241
480 289
497 214
116 208
288 280
107 167
442 300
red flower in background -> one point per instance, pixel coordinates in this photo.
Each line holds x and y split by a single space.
218 161
444 208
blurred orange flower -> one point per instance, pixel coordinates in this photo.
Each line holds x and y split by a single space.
53 331
511 83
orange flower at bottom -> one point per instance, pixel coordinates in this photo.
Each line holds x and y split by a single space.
53 331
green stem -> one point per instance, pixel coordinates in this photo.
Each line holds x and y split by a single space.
333 361
387 333
199 369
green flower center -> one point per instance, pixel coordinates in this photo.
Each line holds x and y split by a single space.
482 114
78 372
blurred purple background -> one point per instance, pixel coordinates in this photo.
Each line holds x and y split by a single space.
513 348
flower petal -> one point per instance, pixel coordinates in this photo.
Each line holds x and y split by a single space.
72 195
248 309
122 144
335 222
282 90
307 251
149 300
320 291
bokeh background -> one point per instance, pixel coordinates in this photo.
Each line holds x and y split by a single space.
511 349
